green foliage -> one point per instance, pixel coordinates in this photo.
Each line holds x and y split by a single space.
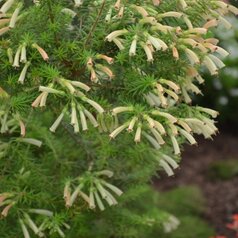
223 170
187 204
95 98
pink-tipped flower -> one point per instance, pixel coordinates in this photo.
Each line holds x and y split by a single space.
156 2
37 101
117 5
175 53
41 51
106 58
5 211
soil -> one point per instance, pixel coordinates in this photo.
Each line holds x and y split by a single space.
221 196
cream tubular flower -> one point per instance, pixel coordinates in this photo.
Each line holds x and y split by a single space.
80 85
171 118
192 57
132 51
50 90
155 42
118 110
132 124
24 229
226 23
113 188
23 73
115 34
171 161
6 6
118 130
152 141
188 136
83 120
140 10
23 128
175 145
23 58
91 200
200 31
171 14
188 22
94 104
210 65
209 111
149 120
31 141
184 125
166 167
74 118
32 225
160 127
17 57
14 16
157 136
217 61
99 201
91 118
57 122
222 51
233 9
171 84
74 195
43 99
137 138
183 4
37 101
119 43
148 52
101 190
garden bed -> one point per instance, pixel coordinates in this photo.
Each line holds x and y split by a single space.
220 194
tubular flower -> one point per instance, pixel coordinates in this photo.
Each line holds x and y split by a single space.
98 191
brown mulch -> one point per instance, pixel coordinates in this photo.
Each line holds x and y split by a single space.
221 196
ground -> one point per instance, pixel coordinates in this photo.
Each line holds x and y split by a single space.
221 195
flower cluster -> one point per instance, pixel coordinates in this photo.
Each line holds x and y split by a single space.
7 201
98 70
117 66
161 124
10 122
97 190
28 225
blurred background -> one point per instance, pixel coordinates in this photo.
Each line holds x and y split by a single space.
204 193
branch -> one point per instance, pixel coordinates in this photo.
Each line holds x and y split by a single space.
95 24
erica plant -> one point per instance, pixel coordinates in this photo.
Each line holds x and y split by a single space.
95 98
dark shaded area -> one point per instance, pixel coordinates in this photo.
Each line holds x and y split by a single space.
221 195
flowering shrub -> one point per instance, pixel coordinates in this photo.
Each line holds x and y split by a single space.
95 98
